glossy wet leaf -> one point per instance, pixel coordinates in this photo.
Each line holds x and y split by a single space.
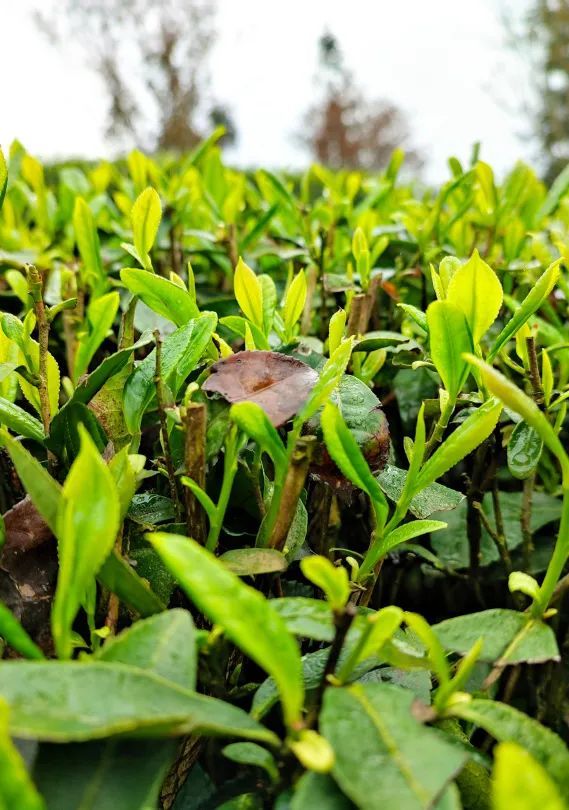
71 701
397 760
524 450
245 615
277 383
434 498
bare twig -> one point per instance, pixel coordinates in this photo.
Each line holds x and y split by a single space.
294 482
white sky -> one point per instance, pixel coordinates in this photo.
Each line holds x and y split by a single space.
442 61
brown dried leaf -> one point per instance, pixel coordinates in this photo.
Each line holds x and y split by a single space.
278 383
25 527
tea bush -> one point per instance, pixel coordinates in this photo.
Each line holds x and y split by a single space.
229 576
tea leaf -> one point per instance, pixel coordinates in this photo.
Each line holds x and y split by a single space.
252 419
181 352
408 531
20 421
145 216
110 774
245 615
43 490
347 455
246 753
16 637
538 293
16 788
469 434
449 339
332 580
87 240
249 293
385 763
86 527
535 641
295 300
328 381
75 701
164 644
507 724
101 314
434 498
161 295
519 402
476 290
520 781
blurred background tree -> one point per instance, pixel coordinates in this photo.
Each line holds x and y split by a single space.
540 38
343 128
152 60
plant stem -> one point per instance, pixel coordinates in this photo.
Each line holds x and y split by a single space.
291 490
194 459
557 562
439 428
535 379
525 519
342 623
498 539
35 289
232 447
161 401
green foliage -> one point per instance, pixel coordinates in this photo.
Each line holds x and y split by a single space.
237 401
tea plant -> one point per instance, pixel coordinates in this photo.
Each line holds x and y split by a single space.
229 576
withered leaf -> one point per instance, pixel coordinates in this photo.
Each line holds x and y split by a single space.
25 527
278 383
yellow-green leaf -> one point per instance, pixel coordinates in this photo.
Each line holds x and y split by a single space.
145 217
243 612
248 293
295 300
476 290
87 526
449 339
519 781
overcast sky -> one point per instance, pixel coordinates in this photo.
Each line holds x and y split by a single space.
442 61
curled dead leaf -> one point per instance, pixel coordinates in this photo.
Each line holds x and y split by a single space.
278 383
